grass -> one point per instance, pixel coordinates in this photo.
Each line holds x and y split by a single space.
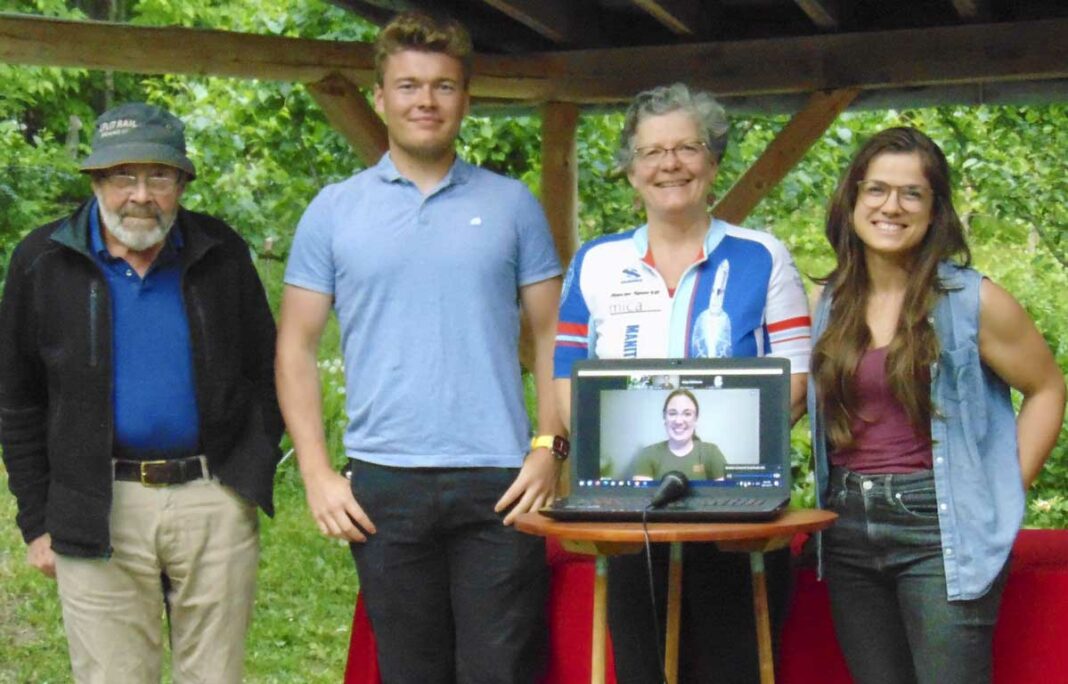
300 631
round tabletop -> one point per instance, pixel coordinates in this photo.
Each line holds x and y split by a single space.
791 522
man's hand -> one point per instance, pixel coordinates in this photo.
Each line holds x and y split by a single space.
40 555
334 508
533 487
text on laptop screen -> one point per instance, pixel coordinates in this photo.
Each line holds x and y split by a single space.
721 426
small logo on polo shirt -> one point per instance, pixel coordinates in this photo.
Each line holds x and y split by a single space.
477 221
631 275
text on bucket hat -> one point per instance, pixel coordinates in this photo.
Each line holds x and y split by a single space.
138 133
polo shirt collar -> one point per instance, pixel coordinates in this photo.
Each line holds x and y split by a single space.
458 173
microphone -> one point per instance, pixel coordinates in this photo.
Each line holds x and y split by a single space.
673 486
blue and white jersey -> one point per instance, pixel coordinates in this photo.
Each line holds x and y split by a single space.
742 297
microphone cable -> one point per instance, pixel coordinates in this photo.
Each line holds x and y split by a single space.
652 593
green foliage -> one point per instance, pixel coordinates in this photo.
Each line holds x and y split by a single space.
264 149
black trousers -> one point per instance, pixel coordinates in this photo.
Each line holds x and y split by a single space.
453 595
717 635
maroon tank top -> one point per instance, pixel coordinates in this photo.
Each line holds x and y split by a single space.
884 440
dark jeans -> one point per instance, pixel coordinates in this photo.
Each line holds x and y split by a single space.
717 635
884 569
453 595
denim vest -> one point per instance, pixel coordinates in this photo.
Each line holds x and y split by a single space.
976 466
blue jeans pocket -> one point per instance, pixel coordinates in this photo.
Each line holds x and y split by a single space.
921 503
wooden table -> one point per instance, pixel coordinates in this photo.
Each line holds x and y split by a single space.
604 539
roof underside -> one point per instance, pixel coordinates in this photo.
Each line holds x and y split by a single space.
559 27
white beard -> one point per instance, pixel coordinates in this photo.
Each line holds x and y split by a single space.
136 239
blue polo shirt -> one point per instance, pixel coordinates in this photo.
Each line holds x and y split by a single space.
426 289
153 392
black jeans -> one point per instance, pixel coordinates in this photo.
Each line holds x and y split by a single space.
885 572
453 594
717 634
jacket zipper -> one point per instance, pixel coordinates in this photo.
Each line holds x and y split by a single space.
94 323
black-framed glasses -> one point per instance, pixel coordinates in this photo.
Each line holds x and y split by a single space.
875 193
688 151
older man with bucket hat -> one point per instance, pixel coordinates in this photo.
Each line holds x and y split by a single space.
138 417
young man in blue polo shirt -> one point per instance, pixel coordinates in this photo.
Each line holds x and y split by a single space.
138 417
427 261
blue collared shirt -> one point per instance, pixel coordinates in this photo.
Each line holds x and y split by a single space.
426 291
154 395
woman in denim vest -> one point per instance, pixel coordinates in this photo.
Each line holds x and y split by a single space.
916 444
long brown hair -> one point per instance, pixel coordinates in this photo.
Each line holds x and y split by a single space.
915 346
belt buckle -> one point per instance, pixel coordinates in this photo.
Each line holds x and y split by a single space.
144 474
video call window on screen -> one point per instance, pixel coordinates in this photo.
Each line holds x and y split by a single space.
714 418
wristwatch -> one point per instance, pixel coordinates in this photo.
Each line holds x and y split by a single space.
558 445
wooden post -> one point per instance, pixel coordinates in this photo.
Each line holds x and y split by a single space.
559 198
348 111
674 614
803 130
600 621
760 613
559 175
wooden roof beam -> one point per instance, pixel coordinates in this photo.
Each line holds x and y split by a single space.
349 113
679 16
44 41
556 20
823 13
782 155
977 53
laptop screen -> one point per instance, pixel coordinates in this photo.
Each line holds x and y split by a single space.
724 423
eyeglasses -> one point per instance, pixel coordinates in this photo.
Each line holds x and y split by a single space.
874 194
685 152
687 414
157 183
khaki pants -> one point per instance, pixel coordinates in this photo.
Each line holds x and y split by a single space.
204 538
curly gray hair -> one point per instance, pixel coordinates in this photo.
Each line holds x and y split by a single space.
707 113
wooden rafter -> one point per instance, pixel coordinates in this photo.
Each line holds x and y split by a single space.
802 131
978 53
679 16
350 114
823 13
554 19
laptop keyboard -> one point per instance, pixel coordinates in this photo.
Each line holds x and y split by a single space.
632 504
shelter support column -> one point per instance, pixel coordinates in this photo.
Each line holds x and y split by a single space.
349 113
802 131
559 199
559 191
559 175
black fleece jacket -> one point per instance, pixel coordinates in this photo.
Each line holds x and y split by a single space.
56 422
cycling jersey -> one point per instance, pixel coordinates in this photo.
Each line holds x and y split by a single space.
742 297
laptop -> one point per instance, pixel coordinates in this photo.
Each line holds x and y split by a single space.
621 439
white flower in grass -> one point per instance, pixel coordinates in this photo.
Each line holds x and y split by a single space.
1042 505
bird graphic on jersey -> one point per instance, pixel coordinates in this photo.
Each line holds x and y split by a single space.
712 329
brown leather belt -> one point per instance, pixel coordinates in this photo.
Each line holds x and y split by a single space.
162 473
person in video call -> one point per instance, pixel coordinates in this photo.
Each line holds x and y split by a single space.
916 444
684 285
683 450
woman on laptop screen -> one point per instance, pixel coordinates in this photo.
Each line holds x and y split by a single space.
683 450
916 444
683 285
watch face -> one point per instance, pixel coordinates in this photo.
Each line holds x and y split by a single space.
561 448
